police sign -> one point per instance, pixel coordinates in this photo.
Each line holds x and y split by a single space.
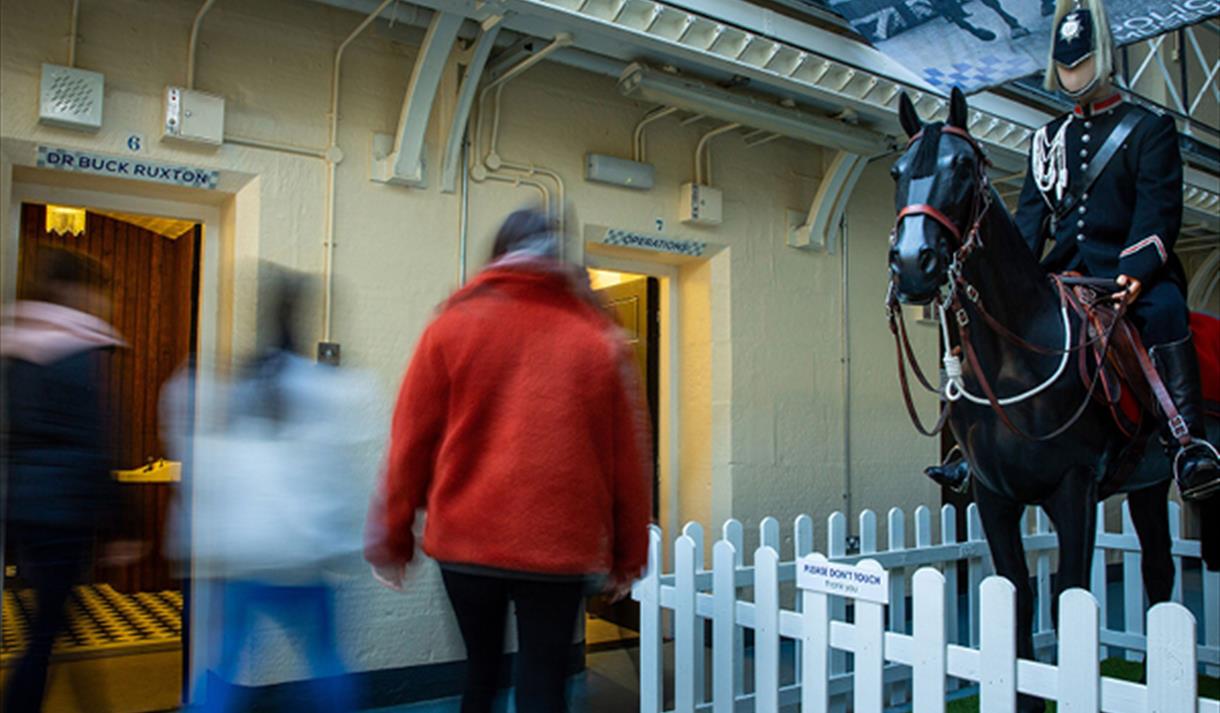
863 581
125 167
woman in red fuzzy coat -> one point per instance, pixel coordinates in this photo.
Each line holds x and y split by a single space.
520 429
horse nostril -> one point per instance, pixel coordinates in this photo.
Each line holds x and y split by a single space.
927 260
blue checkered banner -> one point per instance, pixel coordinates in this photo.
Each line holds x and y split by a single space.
975 44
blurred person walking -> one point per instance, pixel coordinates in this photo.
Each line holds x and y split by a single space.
276 509
520 427
60 491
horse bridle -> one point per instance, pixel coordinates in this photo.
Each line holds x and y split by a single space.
956 284
982 202
963 248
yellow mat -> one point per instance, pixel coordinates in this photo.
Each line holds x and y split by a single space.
100 622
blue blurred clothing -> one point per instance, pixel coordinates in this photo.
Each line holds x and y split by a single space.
306 612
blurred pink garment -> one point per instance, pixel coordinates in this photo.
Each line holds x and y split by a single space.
43 333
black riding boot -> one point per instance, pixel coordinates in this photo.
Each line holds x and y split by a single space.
1196 466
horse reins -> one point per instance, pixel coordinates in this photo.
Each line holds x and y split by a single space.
959 285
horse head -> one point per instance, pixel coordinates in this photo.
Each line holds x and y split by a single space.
939 179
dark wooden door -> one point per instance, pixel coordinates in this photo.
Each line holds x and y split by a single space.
152 295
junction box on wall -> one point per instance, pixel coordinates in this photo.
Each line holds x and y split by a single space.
700 205
195 117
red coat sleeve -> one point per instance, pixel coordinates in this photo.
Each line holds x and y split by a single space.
632 472
416 433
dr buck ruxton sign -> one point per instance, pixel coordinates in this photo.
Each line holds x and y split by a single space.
79 161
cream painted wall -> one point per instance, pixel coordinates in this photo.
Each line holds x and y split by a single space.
771 389
888 455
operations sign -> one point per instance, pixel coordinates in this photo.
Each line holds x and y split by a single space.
844 580
126 167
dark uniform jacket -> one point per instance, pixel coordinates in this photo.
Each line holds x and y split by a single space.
1128 220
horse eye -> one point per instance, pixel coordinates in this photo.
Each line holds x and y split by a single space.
895 172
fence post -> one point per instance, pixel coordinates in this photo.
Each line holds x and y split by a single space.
1211 620
766 630
694 531
802 544
734 534
869 684
867 522
930 647
768 534
1133 587
948 536
998 647
975 570
685 622
836 547
648 594
815 673
896 531
724 627
1079 670
1175 534
1172 683
1097 578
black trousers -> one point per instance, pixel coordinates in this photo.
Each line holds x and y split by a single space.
546 621
1160 314
53 561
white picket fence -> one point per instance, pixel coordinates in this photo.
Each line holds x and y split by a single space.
913 660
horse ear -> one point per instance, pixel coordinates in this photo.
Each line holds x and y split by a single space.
908 116
958 112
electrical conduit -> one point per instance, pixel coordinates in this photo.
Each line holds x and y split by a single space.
333 157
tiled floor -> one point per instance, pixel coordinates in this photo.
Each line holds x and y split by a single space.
609 685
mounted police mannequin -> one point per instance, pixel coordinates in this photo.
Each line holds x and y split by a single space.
1104 183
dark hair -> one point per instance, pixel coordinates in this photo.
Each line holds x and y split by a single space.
57 268
285 296
520 226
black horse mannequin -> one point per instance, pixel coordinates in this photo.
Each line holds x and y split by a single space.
944 201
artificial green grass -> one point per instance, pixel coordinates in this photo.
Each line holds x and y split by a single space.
1122 669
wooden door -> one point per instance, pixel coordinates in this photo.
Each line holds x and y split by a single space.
634 305
152 291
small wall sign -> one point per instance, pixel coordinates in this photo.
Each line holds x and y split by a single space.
134 143
97 164
844 580
677 246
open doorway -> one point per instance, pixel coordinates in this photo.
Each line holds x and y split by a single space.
123 648
634 302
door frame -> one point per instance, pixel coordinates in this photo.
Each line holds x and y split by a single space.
669 407
210 302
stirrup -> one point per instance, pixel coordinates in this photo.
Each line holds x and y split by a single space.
1198 492
961 488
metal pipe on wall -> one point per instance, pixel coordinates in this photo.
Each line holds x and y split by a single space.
464 215
492 161
194 42
73 23
333 157
637 145
703 145
845 329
